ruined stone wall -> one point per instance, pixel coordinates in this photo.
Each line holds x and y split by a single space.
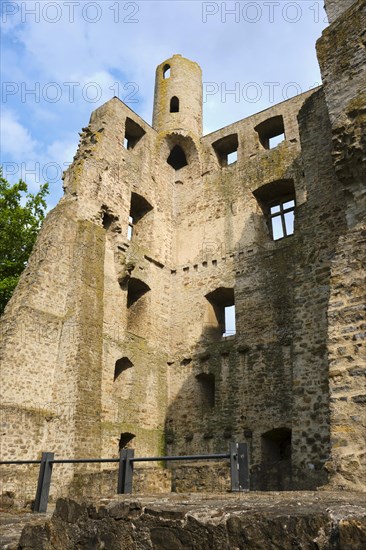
344 77
222 241
335 8
67 323
108 335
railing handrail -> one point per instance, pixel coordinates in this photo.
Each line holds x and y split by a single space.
135 459
238 456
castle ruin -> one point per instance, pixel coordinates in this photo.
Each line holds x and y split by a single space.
117 333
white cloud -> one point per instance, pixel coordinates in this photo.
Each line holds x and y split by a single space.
16 140
104 52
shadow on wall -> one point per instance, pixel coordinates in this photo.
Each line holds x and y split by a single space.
268 384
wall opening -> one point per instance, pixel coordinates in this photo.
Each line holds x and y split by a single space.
166 71
108 219
232 157
271 132
138 209
121 365
206 385
130 228
125 440
133 133
220 313
276 445
226 149
177 158
282 219
277 201
135 290
230 324
174 105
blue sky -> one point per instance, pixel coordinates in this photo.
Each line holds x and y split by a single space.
61 59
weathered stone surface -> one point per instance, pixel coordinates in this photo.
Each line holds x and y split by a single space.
112 340
316 521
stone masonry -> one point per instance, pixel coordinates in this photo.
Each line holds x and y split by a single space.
117 332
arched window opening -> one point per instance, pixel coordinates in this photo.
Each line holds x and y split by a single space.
166 71
174 105
121 365
125 440
206 384
177 158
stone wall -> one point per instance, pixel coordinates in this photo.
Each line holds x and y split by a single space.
286 521
344 87
115 340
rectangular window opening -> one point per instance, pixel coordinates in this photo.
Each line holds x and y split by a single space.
220 314
130 228
133 134
282 217
230 324
271 132
226 149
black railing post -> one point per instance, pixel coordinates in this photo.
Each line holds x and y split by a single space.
44 483
125 472
234 467
239 467
243 461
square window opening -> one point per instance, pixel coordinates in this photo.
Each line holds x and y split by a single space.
271 132
226 149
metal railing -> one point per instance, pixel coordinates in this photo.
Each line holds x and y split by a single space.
238 455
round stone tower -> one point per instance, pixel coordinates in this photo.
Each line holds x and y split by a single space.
178 96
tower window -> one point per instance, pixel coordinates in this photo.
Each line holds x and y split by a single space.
271 132
177 158
166 71
174 105
133 133
277 201
226 149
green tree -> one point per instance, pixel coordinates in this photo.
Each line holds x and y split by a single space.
21 216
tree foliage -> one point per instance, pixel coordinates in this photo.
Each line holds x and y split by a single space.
21 216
